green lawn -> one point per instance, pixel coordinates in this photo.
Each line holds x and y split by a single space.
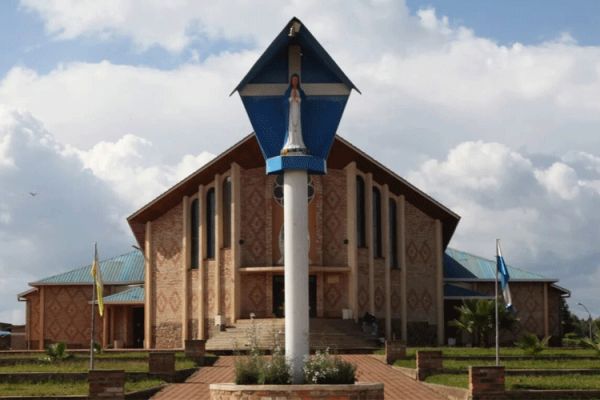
55 388
568 382
82 365
512 364
504 351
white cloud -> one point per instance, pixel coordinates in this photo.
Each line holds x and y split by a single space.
435 96
546 217
131 168
53 229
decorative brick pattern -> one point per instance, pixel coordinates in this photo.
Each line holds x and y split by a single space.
421 266
254 296
106 384
428 363
67 316
486 383
335 294
379 269
334 218
167 232
253 216
396 293
226 284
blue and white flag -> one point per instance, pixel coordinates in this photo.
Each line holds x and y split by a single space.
504 277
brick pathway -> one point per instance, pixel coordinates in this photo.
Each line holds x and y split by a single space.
370 369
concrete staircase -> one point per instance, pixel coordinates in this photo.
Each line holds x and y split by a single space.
338 335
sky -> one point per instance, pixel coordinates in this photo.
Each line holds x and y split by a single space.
490 107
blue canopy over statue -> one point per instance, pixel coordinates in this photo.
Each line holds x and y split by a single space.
295 95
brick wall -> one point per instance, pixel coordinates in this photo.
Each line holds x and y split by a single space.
334 218
67 316
168 278
421 273
253 217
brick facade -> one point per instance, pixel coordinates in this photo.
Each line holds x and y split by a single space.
66 309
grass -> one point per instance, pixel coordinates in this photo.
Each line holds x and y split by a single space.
504 351
55 388
512 364
566 382
82 365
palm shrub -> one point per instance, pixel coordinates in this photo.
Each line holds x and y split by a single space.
477 318
57 352
531 344
323 368
592 344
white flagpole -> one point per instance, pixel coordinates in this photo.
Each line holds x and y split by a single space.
93 316
496 309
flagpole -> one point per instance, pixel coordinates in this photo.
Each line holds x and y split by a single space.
93 318
496 312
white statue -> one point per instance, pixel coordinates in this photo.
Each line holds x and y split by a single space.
294 96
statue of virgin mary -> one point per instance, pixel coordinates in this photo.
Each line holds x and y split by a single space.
293 98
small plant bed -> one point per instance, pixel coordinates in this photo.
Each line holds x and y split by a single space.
82 365
565 382
463 365
58 388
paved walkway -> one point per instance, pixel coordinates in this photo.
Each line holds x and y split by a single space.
370 369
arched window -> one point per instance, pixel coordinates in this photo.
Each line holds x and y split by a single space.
360 212
393 234
227 212
377 248
195 236
210 223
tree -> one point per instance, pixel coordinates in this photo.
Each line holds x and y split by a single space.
477 318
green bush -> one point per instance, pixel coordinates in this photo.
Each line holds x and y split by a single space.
324 368
57 352
275 371
592 344
531 344
571 339
247 370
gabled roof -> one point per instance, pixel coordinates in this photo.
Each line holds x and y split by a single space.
247 154
301 36
133 295
120 270
463 266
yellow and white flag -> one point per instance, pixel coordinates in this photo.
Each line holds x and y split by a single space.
97 276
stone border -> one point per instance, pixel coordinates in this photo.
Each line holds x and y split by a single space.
137 395
18 377
362 390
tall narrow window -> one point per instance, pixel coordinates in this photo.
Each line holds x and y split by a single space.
360 212
377 248
210 223
393 235
195 234
227 212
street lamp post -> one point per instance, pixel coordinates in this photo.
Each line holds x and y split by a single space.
589 316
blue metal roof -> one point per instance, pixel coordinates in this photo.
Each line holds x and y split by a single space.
131 295
457 292
120 270
460 265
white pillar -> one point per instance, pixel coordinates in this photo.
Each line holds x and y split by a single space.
295 219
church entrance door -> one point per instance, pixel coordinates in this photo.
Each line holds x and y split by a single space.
279 295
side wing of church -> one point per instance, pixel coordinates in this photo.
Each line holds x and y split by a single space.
213 257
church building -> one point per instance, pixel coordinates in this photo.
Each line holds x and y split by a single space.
212 257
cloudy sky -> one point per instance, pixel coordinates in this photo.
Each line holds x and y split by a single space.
491 107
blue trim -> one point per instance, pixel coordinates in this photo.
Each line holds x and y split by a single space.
313 165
